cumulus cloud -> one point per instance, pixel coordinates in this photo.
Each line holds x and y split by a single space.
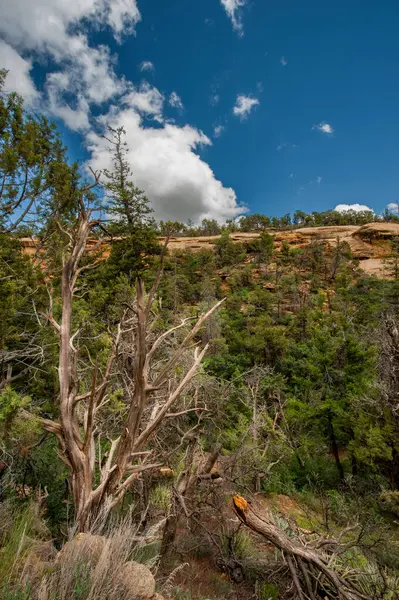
47 25
218 130
54 29
233 9
167 166
121 15
146 100
283 61
342 208
146 65
18 78
73 89
324 128
76 117
164 157
244 105
176 101
214 99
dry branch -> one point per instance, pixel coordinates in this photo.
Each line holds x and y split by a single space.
132 353
311 562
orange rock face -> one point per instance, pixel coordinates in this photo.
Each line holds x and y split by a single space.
368 243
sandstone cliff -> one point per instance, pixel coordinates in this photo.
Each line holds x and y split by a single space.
369 243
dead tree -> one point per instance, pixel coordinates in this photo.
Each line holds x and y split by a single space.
311 568
99 484
198 468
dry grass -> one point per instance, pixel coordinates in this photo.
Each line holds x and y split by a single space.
21 531
79 574
79 577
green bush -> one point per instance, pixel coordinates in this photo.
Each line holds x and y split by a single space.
266 591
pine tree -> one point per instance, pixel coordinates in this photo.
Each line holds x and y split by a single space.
127 203
131 212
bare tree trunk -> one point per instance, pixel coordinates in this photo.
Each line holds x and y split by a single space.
334 448
77 451
97 487
183 494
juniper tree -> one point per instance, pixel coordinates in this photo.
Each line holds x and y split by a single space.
30 155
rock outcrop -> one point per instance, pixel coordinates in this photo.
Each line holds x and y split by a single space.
367 242
84 546
136 581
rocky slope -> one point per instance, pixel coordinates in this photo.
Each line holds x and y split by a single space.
369 243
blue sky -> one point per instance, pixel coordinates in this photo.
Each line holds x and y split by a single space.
275 106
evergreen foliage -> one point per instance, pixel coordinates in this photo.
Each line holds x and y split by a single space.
300 384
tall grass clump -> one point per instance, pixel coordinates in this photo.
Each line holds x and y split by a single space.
20 532
84 574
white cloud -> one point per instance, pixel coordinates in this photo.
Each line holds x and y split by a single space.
214 100
146 65
75 117
342 208
218 130
393 207
18 78
167 166
87 80
283 61
175 101
121 15
54 29
291 176
244 105
234 12
164 157
319 180
146 100
88 73
47 24
324 128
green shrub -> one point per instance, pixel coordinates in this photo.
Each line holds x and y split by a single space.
266 591
161 497
238 543
18 593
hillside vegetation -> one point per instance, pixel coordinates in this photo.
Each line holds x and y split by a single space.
206 411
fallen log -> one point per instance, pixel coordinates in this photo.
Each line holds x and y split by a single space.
310 569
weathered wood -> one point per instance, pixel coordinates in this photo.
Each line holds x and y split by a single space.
293 549
78 443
